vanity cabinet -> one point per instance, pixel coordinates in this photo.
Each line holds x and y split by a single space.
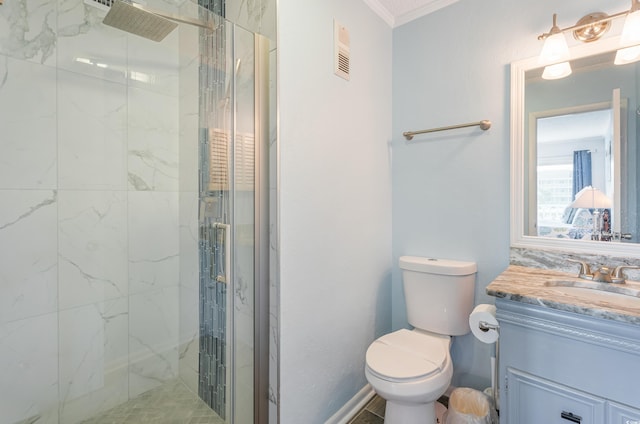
622 414
563 367
532 400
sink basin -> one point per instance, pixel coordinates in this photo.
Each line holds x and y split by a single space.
618 294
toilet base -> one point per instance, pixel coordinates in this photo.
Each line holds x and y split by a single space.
410 413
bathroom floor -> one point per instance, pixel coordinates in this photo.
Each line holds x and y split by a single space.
373 412
171 403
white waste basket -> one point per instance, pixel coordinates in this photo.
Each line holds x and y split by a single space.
469 406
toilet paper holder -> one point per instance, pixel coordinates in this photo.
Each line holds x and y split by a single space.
486 326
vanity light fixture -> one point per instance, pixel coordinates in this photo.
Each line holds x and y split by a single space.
588 29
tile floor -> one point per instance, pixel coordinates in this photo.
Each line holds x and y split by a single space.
171 403
373 411
174 403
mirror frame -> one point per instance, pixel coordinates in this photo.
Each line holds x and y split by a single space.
518 138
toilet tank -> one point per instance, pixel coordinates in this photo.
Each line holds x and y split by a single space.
438 293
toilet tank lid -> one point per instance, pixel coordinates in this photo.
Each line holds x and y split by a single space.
437 266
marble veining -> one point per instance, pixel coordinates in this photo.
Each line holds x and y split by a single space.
27 30
255 15
559 261
92 254
536 286
32 209
28 265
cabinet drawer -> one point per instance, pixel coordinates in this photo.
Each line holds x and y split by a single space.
622 414
533 400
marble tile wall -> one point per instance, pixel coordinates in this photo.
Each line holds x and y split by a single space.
188 202
257 16
90 198
98 215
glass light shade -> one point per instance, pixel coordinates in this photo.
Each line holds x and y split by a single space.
555 49
591 198
630 37
631 30
627 55
557 71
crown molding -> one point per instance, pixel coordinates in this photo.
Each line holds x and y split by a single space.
381 11
428 8
394 21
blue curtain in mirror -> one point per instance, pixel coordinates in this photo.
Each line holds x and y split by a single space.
581 170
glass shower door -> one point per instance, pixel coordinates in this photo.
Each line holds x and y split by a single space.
232 219
132 164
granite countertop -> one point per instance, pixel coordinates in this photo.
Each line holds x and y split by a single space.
544 287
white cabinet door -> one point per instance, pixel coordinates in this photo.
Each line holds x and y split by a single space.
533 400
622 414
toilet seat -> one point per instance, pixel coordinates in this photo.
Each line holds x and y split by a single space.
407 355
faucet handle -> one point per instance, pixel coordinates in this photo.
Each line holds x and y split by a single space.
617 273
585 269
605 270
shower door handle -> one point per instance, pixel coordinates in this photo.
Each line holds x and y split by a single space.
226 243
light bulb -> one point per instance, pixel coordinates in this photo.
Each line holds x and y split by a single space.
557 71
628 55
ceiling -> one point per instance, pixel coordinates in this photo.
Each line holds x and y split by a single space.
399 12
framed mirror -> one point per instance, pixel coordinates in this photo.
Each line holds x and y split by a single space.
574 154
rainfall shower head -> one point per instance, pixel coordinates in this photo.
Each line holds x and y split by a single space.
131 18
151 24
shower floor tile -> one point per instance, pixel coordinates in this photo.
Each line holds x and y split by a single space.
171 403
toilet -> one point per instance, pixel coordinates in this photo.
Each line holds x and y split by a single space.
411 369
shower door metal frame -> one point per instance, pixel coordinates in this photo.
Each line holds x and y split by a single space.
261 236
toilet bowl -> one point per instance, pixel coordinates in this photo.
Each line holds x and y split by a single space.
410 370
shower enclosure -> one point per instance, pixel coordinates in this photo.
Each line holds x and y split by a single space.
133 215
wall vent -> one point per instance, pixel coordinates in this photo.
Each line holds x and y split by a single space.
100 4
341 62
106 4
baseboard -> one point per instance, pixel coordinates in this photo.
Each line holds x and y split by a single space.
352 407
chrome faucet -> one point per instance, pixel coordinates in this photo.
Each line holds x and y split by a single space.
603 274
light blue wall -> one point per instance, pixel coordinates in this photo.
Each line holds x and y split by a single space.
334 204
451 189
